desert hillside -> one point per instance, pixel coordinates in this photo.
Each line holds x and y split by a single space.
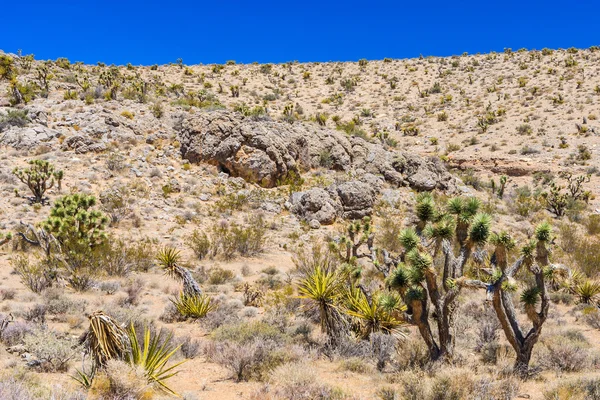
395 229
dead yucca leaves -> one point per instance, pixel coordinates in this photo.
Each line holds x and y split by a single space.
105 339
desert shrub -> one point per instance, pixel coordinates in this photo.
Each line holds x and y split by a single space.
591 316
576 389
565 353
593 224
110 287
189 347
232 239
487 337
52 350
451 386
387 235
118 380
249 360
219 276
14 332
297 381
117 203
412 354
57 303
382 349
193 306
524 129
528 150
36 314
355 364
21 385
133 290
14 117
36 276
199 243
115 162
116 257
7 294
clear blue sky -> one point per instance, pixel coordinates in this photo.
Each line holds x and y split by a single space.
158 32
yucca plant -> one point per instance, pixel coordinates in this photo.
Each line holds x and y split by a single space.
324 290
153 355
190 306
376 314
587 292
83 378
169 259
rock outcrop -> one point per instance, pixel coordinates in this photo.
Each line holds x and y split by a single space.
265 152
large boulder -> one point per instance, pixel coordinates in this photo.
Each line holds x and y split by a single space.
350 200
28 137
265 152
357 199
316 204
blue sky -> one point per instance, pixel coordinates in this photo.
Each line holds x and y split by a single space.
155 32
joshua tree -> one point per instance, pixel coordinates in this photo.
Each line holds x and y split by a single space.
39 177
44 75
73 221
431 277
8 70
534 259
357 234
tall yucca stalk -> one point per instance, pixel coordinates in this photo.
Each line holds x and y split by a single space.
169 258
324 290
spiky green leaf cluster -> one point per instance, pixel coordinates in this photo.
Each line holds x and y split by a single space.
153 354
372 315
502 239
321 286
399 278
442 229
530 296
479 231
419 260
543 232
193 306
409 239
425 207
464 209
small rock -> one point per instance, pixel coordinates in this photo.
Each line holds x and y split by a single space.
314 224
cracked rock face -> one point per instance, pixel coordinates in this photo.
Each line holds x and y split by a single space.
265 152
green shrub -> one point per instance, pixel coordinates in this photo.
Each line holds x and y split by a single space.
199 243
